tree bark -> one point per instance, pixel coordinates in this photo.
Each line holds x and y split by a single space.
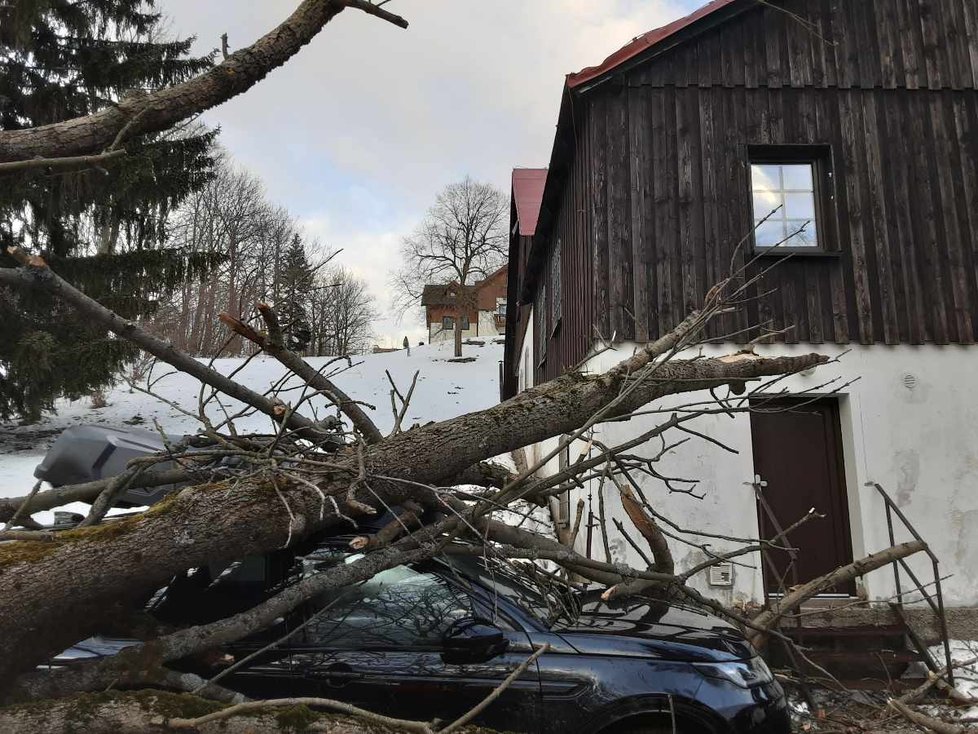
148 712
274 344
770 617
35 274
929 722
661 555
457 334
84 492
165 108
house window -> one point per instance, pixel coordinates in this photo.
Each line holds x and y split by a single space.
790 186
501 309
465 323
447 322
555 286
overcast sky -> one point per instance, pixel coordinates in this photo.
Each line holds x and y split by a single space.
358 133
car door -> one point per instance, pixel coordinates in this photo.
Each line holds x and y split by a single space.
380 646
267 674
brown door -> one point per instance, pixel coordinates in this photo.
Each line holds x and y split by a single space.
798 463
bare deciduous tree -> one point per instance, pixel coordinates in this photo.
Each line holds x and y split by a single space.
342 314
462 239
232 221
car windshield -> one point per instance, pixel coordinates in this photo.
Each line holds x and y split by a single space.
532 588
535 590
400 607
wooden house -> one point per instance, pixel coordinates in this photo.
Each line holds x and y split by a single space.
856 123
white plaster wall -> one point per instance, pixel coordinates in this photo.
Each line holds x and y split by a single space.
487 323
437 335
525 370
920 442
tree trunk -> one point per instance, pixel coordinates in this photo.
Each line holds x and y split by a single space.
163 109
458 334
55 593
108 235
148 712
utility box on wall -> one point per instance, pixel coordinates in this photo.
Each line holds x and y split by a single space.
721 574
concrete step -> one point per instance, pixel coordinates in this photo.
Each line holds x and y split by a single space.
877 656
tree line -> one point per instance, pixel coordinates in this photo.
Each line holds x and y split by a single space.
259 252
162 227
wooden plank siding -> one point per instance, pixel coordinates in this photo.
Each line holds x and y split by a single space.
889 89
574 228
649 190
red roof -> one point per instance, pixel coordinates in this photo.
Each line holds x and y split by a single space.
528 186
643 43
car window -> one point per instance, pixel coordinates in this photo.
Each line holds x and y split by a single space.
211 592
398 608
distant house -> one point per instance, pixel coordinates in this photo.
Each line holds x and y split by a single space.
860 118
481 308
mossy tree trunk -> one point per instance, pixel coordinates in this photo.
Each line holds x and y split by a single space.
160 712
53 593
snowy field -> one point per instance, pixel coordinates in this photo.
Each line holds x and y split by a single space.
445 389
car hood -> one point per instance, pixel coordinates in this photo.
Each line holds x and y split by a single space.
651 628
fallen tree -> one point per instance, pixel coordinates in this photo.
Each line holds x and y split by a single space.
157 711
215 522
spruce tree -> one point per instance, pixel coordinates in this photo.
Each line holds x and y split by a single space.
295 289
105 230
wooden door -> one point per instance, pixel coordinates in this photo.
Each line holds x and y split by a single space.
798 465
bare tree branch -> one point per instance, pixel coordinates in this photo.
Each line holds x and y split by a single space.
165 108
273 343
34 273
59 164
770 617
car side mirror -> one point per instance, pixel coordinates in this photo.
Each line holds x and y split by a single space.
472 640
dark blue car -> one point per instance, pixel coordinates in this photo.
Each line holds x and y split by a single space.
433 639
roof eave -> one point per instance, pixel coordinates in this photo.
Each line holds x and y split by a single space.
679 31
579 84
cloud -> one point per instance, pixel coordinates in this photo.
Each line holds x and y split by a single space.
359 132
368 255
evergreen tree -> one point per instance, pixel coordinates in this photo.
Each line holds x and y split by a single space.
105 230
295 290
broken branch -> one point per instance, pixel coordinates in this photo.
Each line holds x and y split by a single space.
36 275
165 108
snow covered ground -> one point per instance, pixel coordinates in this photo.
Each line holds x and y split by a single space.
964 655
445 389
